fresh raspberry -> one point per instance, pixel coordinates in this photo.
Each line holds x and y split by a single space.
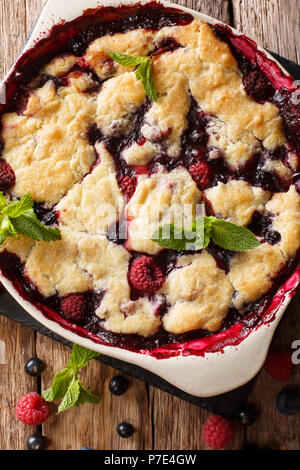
217 432
32 409
7 175
279 365
257 86
73 306
145 275
128 185
201 173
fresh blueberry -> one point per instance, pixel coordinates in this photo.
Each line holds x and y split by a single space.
247 415
118 385
34 367
288 401
125 430
86 448
36 442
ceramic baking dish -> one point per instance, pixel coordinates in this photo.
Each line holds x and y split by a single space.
200 374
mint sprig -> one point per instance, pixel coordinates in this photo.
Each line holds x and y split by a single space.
66 385
143 71
225 234
18 217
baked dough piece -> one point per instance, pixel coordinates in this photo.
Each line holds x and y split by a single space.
137 42
118 99
96 203
252 272
20 246
60 65
237 147
199 294
161 199
47 146
168 115
53 267
219 92
286 210
138 154
236 201
107 264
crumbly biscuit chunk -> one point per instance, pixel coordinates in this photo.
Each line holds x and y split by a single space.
286 210
95 204
20 246
60 65
50 145
140 154
252 273
53 267
118 99
137 42
199 294
236 201
163 198
107 263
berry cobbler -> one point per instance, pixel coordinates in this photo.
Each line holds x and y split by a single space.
106 165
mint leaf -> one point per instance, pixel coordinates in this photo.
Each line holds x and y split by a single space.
59 386
67 386
17 208
71 397
128 60
174 238
232 237
18 217
148 83
3 200
80 356
143 71
225 234
85 396
28 224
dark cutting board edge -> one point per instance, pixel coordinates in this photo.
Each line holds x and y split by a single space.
227 404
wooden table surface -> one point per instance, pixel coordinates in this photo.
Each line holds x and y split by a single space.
161 421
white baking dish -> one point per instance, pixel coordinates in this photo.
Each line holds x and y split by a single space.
214 373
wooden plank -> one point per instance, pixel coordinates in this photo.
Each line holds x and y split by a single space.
12 32
95 425
274 24
219 9
19 347
33 10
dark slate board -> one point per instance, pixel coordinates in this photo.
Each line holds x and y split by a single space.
226 404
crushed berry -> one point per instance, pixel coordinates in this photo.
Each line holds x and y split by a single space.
128 185
257 85
267 181
145 276
7 175
201 173
73 306
289 108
